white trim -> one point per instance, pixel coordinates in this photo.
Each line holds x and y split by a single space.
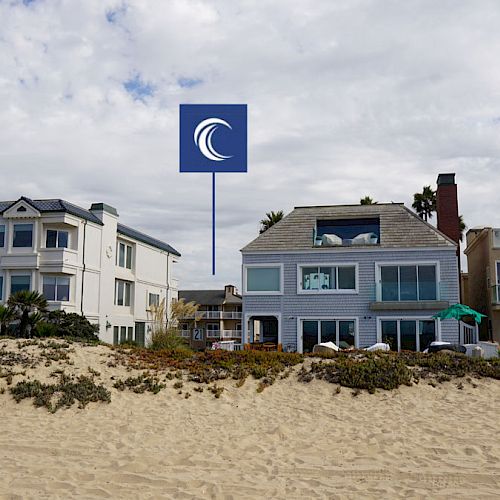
247 316
408 318
336 291
300 338
246 266
373 248
378 277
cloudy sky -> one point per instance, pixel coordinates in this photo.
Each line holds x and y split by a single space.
346 98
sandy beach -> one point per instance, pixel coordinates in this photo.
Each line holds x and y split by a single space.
293 440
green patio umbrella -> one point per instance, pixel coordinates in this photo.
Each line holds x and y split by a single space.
459 311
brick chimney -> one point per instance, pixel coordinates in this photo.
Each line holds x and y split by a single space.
447 207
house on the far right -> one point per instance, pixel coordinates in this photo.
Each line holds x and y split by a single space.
483 281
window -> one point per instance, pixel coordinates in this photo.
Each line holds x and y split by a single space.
116 334
341 332
56 288
123 334
408 334
327 278
408 282
20 283
496 238
498 283
213 330
1 288
154 299
124 255
263 279
122 293
23 235
2 236
56 239
347 232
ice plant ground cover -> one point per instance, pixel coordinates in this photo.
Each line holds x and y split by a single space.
53 373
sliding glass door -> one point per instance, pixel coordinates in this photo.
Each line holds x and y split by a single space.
341 332
408 334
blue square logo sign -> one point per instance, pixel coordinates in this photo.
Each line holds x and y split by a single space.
213 138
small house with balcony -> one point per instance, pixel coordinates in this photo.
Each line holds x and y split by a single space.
351 274
218 317
86 262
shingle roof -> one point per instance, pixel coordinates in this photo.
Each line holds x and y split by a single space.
203 297
399 228
137 235
57 205
54 205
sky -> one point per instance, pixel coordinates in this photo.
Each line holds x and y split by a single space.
346 98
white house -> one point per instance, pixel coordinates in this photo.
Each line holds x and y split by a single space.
84 261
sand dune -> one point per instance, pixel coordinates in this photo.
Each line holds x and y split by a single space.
293 440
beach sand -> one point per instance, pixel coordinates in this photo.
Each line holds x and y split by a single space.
294 440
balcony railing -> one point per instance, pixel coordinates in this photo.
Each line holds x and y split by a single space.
214 315
231 334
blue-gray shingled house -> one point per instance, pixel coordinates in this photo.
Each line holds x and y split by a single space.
351 274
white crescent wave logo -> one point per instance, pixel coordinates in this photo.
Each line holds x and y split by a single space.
203 138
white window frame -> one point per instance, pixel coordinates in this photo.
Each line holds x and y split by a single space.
337 291
128 248
495 243
18 275
149 299
125 283
378 277
4 235
398 319
57 247
57 277
213 332
276 265
33 235
300 319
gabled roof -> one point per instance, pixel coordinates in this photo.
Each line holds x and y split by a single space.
53 205
399 228
137 235
208 297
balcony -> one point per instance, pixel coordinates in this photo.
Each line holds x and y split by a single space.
214 315
20 261
231 334
58 257
440 302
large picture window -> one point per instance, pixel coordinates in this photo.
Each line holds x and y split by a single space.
56 288
327 278
341 332
23 236
263 279
408 334
408 282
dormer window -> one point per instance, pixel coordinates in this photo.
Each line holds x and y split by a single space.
23 236
347 232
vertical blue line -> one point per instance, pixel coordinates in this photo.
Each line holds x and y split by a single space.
213 223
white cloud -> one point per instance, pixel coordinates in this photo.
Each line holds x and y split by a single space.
346 98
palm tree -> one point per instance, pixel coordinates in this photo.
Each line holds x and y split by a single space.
367 201
24 303
424 203
7 316
271 219
462 227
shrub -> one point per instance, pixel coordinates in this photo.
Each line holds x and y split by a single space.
64 324
140 384
167 339
62 394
